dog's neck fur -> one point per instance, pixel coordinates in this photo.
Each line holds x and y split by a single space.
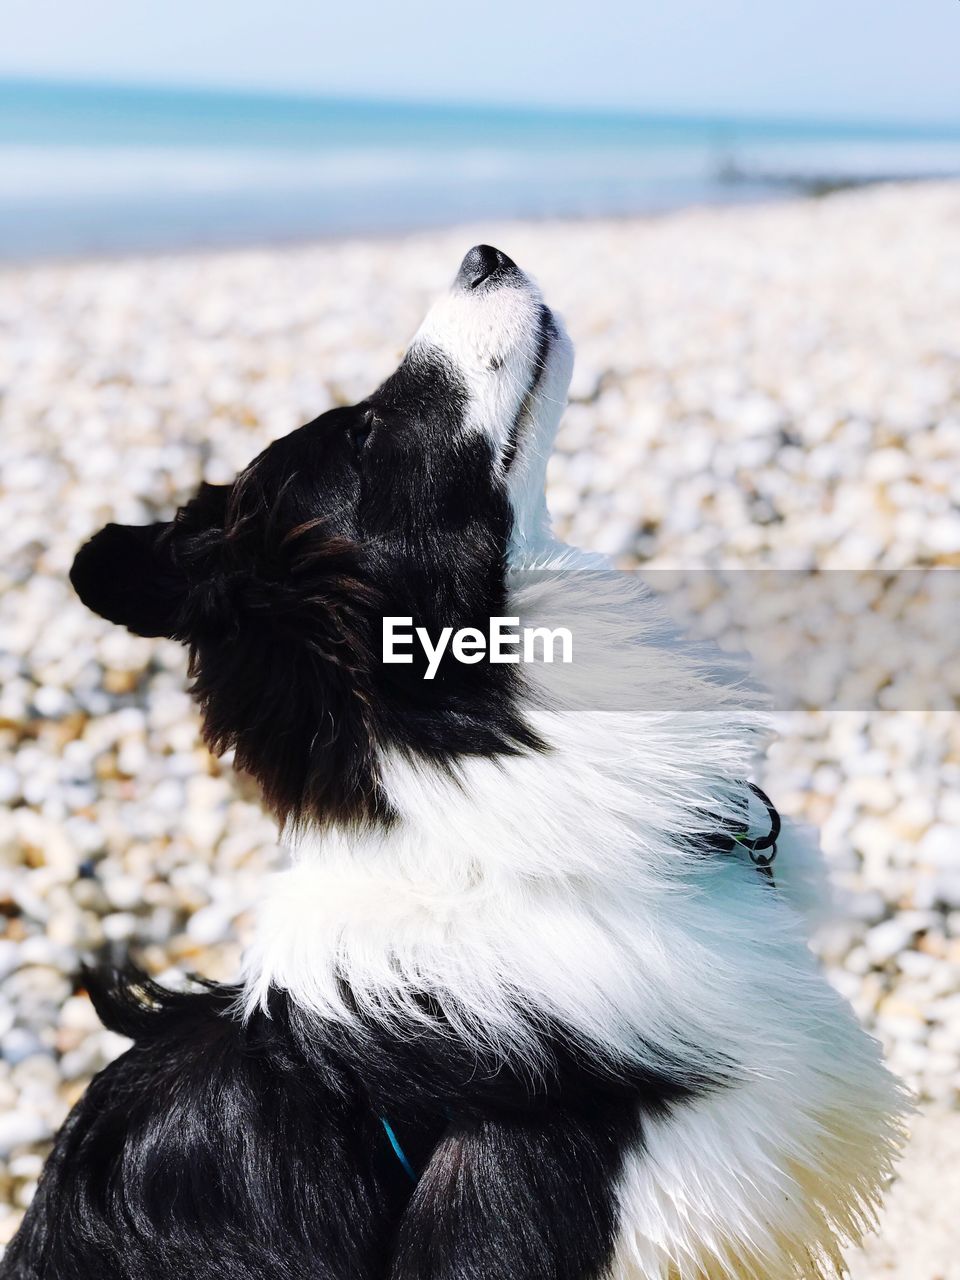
475 894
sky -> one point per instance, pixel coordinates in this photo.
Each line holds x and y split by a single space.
891 60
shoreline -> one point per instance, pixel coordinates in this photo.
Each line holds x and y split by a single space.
776 191
318 240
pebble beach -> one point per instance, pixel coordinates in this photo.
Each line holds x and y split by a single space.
772 387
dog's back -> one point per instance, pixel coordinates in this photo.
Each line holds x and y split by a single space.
211 1147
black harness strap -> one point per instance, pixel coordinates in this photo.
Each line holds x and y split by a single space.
757 846
761 849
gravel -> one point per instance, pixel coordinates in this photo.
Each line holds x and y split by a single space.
775 387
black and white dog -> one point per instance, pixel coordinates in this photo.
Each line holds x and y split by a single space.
520 1008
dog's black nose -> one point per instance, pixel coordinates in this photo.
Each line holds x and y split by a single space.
481 264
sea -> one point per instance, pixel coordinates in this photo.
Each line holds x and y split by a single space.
102 169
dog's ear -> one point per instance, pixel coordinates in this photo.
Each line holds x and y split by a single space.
127 574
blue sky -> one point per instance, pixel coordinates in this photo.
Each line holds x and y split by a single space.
882 59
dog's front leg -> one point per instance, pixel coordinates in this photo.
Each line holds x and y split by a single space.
519 1198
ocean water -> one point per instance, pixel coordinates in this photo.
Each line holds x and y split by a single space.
101 170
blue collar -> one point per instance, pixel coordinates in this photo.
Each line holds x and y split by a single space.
398 1151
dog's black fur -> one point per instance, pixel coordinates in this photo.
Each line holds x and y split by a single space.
255 1150
278 584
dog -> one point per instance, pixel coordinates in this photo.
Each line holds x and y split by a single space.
530 1001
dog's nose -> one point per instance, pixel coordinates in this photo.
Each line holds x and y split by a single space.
482 263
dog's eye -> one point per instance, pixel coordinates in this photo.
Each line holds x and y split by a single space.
359 432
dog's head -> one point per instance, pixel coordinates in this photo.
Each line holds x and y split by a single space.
410 503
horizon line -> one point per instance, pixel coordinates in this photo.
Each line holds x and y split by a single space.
533 110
